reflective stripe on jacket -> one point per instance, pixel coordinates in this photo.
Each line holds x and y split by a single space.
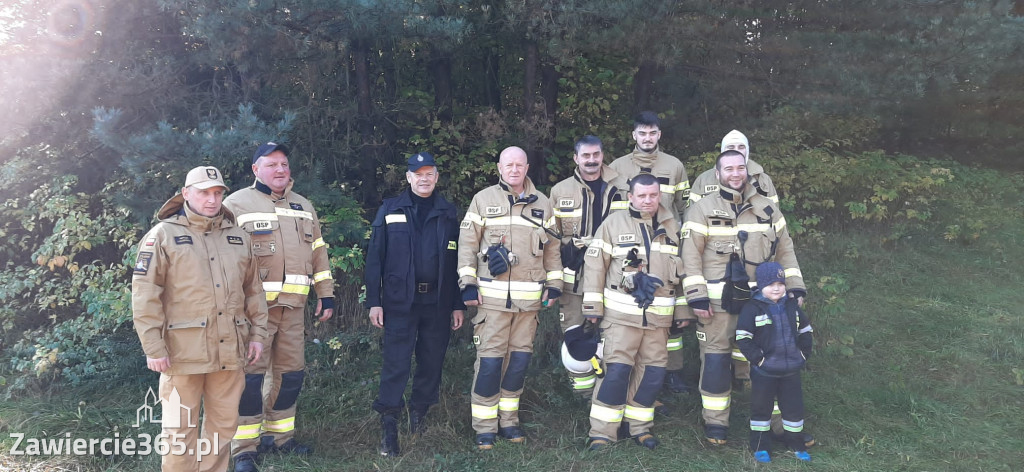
706 183
496 216
196 295
603 290
573 202
670 172
712 232
286 240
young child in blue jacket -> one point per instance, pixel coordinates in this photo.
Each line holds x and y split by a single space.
774 334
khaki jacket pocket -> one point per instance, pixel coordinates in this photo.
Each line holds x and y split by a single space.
186 341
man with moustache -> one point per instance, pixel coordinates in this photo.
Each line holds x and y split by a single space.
292 255
413 294
582 202
648 158
508 266
727 234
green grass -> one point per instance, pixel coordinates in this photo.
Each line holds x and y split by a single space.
913 370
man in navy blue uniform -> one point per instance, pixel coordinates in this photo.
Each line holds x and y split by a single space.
413 294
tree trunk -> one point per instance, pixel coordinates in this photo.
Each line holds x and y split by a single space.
364 120
529 93
441 73
492 64
549 94
643 84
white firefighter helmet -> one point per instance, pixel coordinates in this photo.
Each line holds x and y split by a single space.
573 365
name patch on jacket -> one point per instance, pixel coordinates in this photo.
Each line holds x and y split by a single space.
717 212
179 240
235 240
295 206
566 203
142 263
537 213
626 238
493 210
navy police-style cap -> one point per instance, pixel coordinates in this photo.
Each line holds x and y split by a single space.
421 159
268 148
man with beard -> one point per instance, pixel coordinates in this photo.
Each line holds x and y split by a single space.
648 158
726 235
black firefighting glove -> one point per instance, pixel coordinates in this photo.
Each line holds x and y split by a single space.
572 256
497 259
644 286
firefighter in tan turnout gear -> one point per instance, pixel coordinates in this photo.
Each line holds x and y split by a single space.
582 202
647 158
292 256
707 183
200 313
508 266
726 235
631 288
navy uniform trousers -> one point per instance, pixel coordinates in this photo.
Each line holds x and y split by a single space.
425 331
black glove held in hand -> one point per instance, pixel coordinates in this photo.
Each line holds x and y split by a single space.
644 286
572 256
497 259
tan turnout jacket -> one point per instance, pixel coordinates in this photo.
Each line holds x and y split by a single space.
711 234
196 295
496 216
287 242
670 171
603 290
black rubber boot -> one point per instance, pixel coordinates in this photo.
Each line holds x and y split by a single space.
389 436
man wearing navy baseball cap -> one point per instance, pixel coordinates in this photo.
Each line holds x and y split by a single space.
413 294
286 240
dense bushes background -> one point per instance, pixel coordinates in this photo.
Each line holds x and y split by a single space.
895 118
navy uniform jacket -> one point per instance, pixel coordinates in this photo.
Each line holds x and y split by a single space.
390 273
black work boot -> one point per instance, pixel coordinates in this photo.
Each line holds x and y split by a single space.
246 462
417 421
389 436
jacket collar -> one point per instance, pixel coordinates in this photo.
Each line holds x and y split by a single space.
264 189
733 196
645 159
528 188
176 211
607 174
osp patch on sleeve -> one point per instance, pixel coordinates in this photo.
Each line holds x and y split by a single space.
710 188
476 340
593 252
701 336
184 239
685 234
626 238
235 240
262 226
566 203
142 263
465 224
493 210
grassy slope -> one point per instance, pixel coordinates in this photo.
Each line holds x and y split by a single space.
913 371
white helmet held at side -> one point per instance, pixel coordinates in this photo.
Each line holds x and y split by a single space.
573 365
